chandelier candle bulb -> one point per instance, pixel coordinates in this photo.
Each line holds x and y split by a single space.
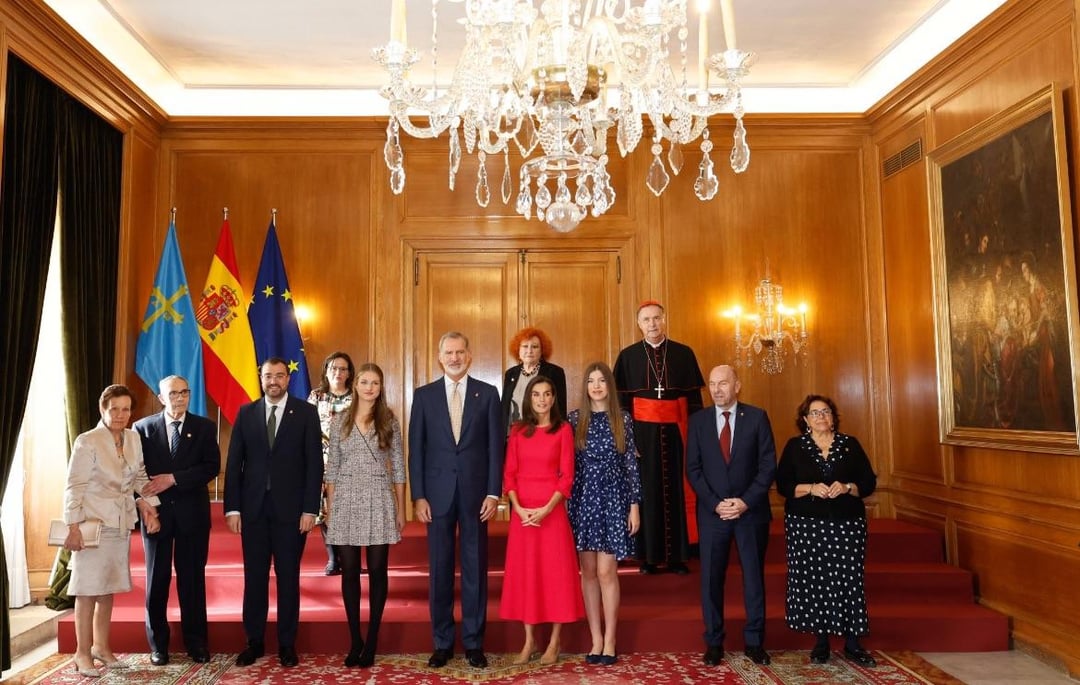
727 16
703 52
397 22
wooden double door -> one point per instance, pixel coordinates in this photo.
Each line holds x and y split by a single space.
576 296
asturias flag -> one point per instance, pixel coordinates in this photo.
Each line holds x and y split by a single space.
273 317
232 374
169 342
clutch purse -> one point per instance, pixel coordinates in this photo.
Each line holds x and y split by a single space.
91 532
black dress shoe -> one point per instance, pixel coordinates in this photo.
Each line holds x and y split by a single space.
352 659
439 658
159 658
287 656
714 654
200 655
679 569
860 656
608 659
253 651
593 659
476 658
649 569
819 654
758 655
332 569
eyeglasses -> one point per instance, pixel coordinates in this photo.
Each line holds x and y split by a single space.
819 413
339 369
177 394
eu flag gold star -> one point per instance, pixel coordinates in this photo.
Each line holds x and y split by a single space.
286 295
268 291
294 366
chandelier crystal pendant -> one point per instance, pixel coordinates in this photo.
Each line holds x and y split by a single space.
557 75
773 328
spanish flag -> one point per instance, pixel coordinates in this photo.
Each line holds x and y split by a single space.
232 374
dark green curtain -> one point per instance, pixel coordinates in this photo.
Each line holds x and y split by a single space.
91 154
27 218
91 164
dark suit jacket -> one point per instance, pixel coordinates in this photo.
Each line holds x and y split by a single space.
547 369
438 466
751 471
294 466
197 461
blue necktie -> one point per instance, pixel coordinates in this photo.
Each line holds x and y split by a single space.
174 440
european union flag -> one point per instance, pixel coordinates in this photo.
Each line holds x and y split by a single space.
273 317
169 342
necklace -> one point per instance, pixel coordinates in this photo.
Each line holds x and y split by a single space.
659 374
528 374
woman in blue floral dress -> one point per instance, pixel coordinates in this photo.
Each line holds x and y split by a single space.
604 504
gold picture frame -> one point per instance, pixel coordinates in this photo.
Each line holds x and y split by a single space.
1004 279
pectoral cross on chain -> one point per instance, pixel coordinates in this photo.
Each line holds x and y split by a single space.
659 392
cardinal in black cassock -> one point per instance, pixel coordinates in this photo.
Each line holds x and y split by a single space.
660 383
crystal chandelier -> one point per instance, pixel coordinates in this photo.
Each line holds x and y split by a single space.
774 326
557 74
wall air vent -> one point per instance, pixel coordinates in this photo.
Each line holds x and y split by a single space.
903 159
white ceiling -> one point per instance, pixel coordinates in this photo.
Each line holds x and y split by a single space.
312 57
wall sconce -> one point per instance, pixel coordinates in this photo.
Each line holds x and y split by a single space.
303 317
772 328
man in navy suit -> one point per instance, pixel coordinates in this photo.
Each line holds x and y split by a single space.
182 457
273 479
456 444
731 463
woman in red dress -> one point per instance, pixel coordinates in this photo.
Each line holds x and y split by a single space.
541 583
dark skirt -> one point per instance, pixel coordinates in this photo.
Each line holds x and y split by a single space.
825 582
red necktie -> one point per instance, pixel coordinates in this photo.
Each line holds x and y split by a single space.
725 438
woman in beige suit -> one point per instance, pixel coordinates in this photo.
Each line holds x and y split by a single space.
105 472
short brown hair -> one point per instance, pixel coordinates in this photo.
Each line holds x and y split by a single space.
112 392
804 408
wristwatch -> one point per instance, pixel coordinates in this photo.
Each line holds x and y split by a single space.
849 488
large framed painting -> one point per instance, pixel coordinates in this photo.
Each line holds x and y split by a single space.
1005 300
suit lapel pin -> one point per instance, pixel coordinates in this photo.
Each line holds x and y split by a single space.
187 435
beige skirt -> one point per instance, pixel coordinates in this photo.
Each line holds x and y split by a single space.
102 570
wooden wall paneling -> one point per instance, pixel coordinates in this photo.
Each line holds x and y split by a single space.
1047 616
575 297
908 288
1005 511
798 209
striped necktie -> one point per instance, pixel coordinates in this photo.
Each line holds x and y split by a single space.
174 439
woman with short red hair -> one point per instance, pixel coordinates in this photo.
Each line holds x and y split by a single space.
532 348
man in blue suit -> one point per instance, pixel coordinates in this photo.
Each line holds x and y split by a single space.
182 456
456 444
731 463
273 480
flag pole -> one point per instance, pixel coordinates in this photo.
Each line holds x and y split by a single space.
226 211
172 215
273 216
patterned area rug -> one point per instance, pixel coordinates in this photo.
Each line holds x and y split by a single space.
787 668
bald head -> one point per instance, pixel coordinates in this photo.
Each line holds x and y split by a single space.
724 386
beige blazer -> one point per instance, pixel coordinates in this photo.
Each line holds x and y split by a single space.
101 485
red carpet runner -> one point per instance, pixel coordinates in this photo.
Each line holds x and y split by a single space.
916 602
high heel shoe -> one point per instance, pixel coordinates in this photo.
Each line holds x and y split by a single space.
547 659
109 663
86 672
352 660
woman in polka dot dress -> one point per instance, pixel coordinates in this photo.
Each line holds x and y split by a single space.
824 475
604 504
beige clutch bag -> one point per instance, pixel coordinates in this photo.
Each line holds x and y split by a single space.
91 532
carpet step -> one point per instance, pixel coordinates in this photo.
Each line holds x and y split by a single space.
674 627
916 602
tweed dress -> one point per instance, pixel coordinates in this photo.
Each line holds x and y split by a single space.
362 510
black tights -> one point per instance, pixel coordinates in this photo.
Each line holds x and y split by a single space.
377 558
